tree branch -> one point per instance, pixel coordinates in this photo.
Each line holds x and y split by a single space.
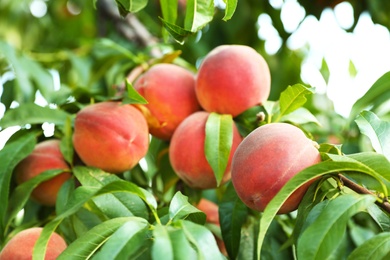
385 205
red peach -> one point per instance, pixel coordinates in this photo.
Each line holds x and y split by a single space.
45 156
187 153
22 244
170 92
111 136
266 159
231 79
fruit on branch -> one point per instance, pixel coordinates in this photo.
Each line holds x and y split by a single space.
22 244
231 79
170 92
266 159
187 152
45 156
111 136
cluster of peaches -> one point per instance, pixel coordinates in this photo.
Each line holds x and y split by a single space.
231 79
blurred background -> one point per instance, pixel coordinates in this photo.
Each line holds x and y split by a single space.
68 50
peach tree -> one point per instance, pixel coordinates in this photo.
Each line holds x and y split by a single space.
144 138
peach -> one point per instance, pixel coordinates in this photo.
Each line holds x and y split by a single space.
187 154
266 159
231 79
170 92
111 136
45 156
22 244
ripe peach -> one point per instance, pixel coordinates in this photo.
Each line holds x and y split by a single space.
187 154
45 156
266 159
111 136
170 91
231 79
22 244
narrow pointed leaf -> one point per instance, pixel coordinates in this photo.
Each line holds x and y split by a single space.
378 131
11 154
133 97
293 98
31 113
324 234
162 245
125 241
180 208
232 215
218 143
85 246
376 95
130 6
231 6
198 14
310 173
377 247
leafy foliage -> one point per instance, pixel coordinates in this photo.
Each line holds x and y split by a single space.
148 211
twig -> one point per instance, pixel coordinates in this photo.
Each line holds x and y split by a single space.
385 205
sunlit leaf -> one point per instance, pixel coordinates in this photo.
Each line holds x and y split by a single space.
377 130
292 98
133 97
180 208
377 247
31 113
218 143
198 14
162 245
376 95
300 116
231 6
323 234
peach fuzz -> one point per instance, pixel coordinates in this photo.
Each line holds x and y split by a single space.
111 136
187 156
45 156
21 246
170 92
231 79
266 159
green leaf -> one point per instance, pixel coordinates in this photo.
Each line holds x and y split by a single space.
380 217
126 241
169 10
11 154
232 215
376 95
377 247
66 144
40 246
292 98
133 97
202 239
177 32
300 116
231 6
86 245
23 191
324 234
218 143
198 14
308 174
162 245
130 6
31 113
180 208
378 131
182 248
